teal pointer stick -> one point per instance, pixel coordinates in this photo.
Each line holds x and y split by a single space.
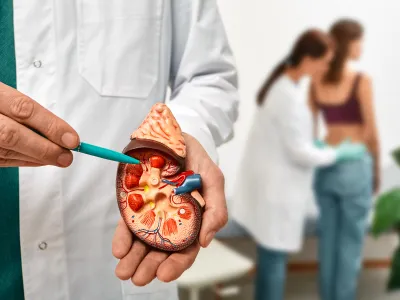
105 153
100 152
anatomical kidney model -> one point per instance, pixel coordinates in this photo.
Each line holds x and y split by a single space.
158 199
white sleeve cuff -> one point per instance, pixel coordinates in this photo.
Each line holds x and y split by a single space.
330 157
191 123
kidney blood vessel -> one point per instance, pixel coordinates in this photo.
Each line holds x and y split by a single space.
159 199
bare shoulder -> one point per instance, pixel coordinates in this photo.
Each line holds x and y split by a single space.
316 80
365 88
315 87
365 81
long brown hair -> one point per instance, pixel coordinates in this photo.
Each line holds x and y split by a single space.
343 33
313 43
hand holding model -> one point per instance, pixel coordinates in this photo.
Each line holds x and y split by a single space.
163 224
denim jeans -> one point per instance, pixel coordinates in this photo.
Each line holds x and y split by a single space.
344 194
271 274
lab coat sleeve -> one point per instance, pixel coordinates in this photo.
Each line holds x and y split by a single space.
204 96
297 141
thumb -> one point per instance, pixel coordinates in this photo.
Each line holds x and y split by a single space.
216 213
122 241
213 221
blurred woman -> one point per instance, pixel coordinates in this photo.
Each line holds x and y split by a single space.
344 191
276 174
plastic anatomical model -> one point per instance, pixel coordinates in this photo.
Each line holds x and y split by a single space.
158 199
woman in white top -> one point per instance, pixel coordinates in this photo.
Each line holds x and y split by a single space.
278 166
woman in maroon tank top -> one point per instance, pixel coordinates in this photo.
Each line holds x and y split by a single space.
344 191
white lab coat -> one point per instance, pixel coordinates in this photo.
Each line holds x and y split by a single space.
275 177
101 65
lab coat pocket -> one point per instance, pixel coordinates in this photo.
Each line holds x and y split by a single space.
119 44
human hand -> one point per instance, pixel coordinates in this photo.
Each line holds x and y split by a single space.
21 146
350 151
142 264
319 144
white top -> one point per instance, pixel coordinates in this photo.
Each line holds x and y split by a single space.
101 65
275 176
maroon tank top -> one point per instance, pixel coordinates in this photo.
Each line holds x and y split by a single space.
347 113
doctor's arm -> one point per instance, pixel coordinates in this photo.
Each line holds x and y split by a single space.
204 102
204 96
299 147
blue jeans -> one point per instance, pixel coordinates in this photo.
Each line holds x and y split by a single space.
271 274
344 194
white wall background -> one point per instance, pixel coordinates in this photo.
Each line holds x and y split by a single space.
261 33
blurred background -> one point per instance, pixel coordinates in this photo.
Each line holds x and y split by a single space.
261 33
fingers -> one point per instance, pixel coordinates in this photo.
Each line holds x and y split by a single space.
17 163
177 263
147 269
127 266
122 241
143 265
216 213
25 111
15 137
213 190
20 144
12 155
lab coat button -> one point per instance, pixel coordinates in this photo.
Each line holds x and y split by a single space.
37 63
43 246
